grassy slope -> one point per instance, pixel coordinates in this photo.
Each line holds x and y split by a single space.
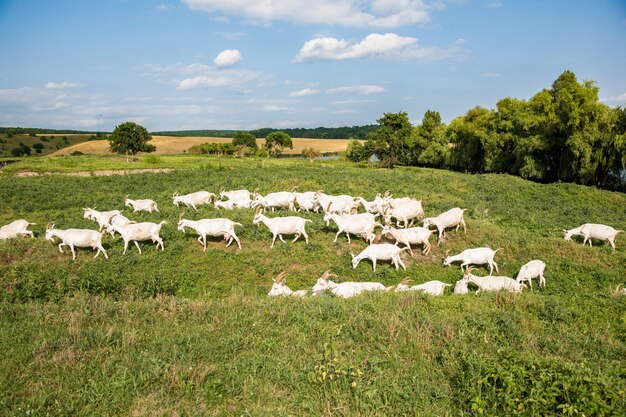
52 143
193 332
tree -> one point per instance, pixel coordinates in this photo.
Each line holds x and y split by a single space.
390 141
38 147
245 139
429 143
356 151
130 138
276 141
311 153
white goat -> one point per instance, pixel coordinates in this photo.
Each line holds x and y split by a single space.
405 213
431 287
280 288
141 205
101 217
362 224
532 269
236 194
476 256
594 231
280 199
460 288
450 218
15 229
76 238
193 199
306 201
493 283
228 204
280 226
335 203
376 206
117 220
344 289
380 252
410 236
211 227
139 232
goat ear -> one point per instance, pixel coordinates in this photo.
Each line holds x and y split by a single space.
182 214
352 254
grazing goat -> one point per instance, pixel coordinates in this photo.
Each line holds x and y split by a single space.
211 227
193 199
101 217
380 252
76 238
594 231
405 213
280 288
358 224
139 232
344 289
117 220
376 206
15 229
452 217
236 195
532 269
431 287
141 205
493 283
476 256
410 236
280 226
281 199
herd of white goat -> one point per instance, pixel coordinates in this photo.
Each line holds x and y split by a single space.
342 210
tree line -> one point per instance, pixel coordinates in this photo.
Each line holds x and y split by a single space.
564 133
353 132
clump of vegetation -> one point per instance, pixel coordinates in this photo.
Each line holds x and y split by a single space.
129 138
218 149
152 159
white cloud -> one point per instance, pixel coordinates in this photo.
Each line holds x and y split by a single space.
227 58
494 4
491 74
615 100
231 36
353 13
388 45
62 85
304 92
357 89
201 76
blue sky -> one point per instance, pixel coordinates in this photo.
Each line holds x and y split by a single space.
246 64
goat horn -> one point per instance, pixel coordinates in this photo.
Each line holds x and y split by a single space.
126 196
181 216
50 225
326 274
294 188
174 194
406 280
221 190
447 252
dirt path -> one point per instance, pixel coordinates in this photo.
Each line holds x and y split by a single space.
98 173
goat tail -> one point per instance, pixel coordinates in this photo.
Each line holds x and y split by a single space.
308 220
497 250
616 232
162 223
33 224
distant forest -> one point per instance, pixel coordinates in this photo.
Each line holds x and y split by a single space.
346 132
41 131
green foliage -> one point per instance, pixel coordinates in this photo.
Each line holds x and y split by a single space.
129 138
152 159
245 139
218 149
21 150
311 153
356 151
275 142
391 140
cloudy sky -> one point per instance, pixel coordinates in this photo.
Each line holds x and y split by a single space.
245 64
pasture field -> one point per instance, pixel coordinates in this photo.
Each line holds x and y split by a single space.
169 145
49 143
182 332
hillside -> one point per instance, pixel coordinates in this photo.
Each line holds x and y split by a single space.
193 333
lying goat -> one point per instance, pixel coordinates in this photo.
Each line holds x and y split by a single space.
280 288
344 289
430 287
211 227
76 238
594 231
476 256
380 252
493 283
15 229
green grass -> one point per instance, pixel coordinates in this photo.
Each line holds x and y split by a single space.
193 333
50 142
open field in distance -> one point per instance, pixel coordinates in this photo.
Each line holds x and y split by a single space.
166 145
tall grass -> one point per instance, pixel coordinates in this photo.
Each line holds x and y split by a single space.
193 333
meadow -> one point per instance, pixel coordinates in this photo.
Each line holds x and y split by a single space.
182 332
